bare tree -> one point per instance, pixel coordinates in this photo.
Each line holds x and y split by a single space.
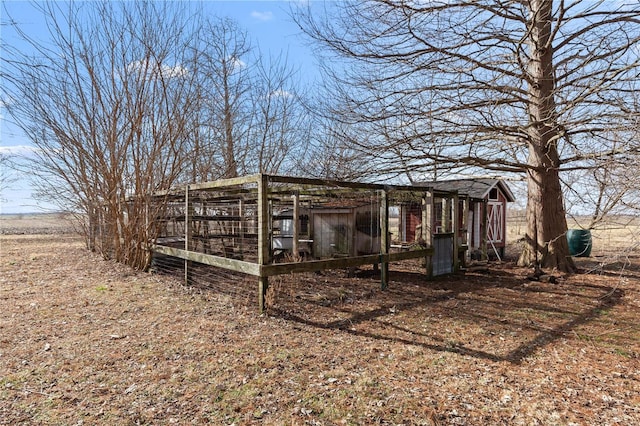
330 154
533 87
126 99
6 179
249 116
218 60
104 102
612 188
280 126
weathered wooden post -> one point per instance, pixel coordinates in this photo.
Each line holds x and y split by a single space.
241 228
427 224
188 213
296 226
456 230
384 238
483 226
446 214
465 238
263 238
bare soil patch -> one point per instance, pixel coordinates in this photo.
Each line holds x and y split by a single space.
83 340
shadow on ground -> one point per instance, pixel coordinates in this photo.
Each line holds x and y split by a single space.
498 315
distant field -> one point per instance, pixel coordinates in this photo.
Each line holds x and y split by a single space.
36 223
615 236
618 234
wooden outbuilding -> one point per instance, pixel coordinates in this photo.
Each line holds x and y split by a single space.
330 230
482 226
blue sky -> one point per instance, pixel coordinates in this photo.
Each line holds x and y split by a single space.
266 22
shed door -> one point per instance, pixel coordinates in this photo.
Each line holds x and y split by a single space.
495 219
332 235
442 260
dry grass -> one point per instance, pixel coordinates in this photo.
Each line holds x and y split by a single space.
36 224
88 341
616 236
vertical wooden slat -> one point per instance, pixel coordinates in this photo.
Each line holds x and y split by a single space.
427 227
483 226
188 212
296 225
263 237
241 227
456 230
466 238
384 238
446 214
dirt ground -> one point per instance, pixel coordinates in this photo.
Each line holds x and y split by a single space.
87 341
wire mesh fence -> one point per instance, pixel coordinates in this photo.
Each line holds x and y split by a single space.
227 235
238 287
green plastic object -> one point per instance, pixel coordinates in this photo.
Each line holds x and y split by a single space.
579 242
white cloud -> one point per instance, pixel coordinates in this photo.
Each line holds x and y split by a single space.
237 62
281 93
20 150
6 101
262 16
135 66
175 71
166 70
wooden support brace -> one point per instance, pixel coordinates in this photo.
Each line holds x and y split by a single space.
188 213
264 220
484 237
427 227
455 213
384 239
296 225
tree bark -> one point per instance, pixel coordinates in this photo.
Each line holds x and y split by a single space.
546 243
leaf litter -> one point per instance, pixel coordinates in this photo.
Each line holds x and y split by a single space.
87 341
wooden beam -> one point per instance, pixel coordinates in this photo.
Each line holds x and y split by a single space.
456 231
296 183
249 268
346 184
323 182
484 233
222 183
341 263
264 242
427 227
411 254
241 226
296 227
384 238
318 265
188 213
256 270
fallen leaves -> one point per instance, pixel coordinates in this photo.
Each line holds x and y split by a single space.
332 349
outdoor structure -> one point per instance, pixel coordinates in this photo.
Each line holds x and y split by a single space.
481 229
266 225
329 229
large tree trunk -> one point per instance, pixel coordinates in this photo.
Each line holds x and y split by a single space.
546 243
